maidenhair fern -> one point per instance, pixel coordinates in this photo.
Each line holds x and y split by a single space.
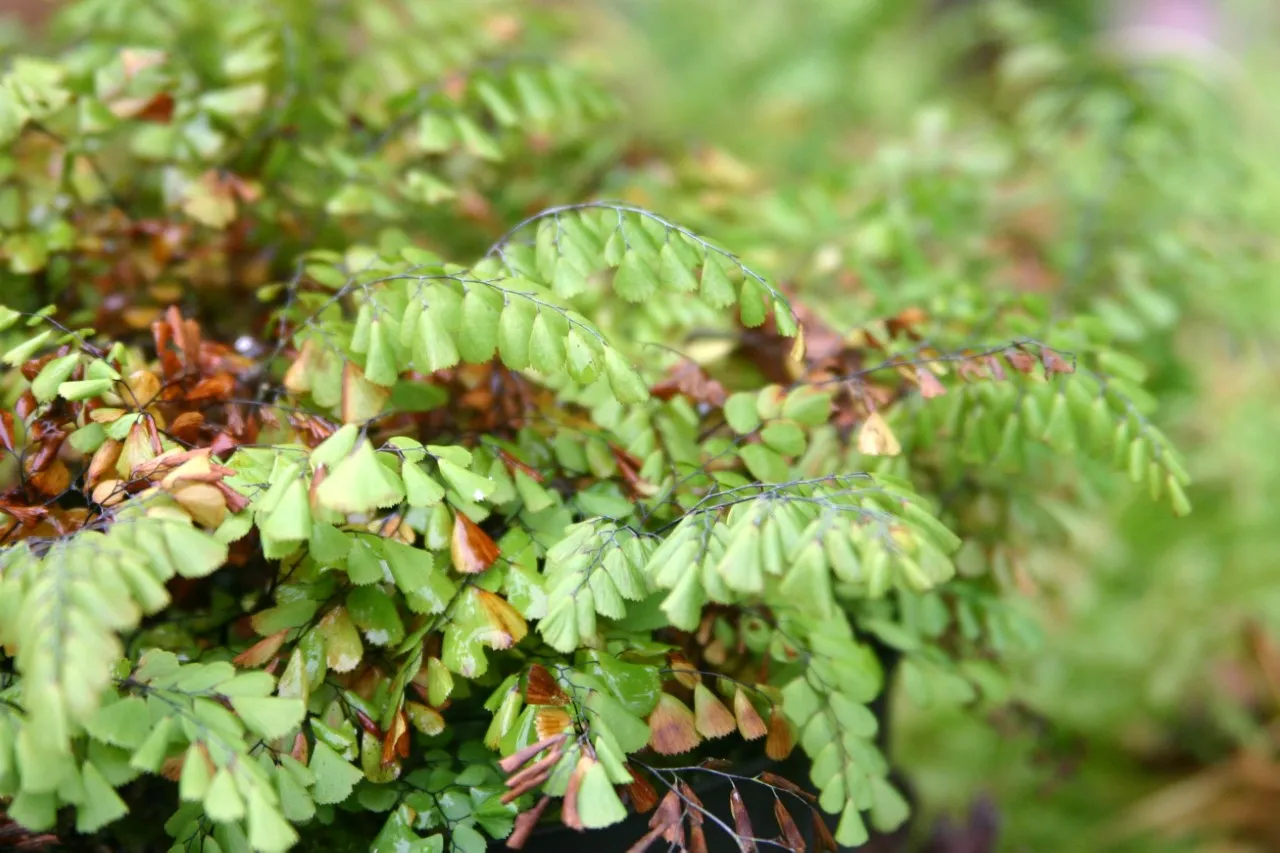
313 508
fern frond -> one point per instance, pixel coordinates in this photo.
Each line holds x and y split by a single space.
65 605
827 704
646 254
594 569
801 542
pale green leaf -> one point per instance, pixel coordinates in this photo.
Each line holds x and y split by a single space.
785 437
433 346
125 723
426 587
374 612
151 754
268 830
359 484
420 489
380 360
717 290
675 273
740 412
290 519
623 378
23 351
598 803
222 802
269 716
478 336
85 389
635 280
546 348
45 386
335 776
515 328
582 364
469 484
765 464
100 805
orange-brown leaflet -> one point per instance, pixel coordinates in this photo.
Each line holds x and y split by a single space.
742 823
781 740
541 687
689 379
670 818
672 727
536 769
532 776
262 651
749 722
823 840
785 784
930 387
396 742
697 840
52 481
683 671
25 405
6 431
629 468
643 795
27 516
473 550
524 824
515 464
712 718
569 810
220 386
519 757
549 721
368 724
790 832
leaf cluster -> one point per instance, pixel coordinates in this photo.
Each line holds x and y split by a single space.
428 528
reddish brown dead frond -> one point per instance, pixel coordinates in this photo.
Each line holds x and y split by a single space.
823 840
644 798
713 719
15 837
262 651
525 823
569 808
513 465
395 743
473 550
550 722
697 838
672 727
790 832
518 758
683 671
742 823
541 687
629 469
507 627
781 738
785 784
687 378
750 723
930 387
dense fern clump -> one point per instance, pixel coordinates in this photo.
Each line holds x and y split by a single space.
354 463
